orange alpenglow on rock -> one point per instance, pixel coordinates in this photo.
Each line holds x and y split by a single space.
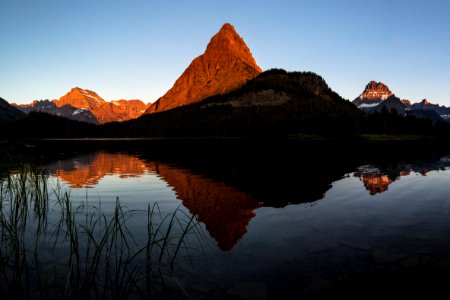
376 184
91 168
80 98
226 65
376 91
225 210
104 112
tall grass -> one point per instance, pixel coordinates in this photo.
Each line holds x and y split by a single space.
50 248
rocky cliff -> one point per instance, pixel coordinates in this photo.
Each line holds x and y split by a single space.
226 65
87 106
103 111
373 94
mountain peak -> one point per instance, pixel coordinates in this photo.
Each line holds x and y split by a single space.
226 39
376 91
227 26
228 42
77 89
227 30
406 102
80 98
102 110
226 65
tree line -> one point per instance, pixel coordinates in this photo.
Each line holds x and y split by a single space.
313 109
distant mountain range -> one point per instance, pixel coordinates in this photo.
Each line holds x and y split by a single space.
224 93
50 107
226 65
87 106
377 96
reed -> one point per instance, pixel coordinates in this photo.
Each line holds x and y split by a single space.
51 248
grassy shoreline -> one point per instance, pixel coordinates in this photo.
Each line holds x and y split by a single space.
52 248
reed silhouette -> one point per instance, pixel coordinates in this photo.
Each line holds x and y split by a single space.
52 248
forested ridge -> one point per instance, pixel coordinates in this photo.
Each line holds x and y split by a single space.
275 103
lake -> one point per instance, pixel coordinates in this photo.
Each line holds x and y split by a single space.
264 221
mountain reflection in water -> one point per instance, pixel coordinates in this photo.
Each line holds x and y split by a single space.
284 219
87 170
225 210
377 180
222 196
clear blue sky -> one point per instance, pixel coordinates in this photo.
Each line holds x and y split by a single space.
132 49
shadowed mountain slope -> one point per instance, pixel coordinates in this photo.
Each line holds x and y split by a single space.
275 102
9 112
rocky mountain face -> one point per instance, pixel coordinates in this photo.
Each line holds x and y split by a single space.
226 65
103 111
87 106
9 112
81 98
275 101
376 90
373 94
377 96
131 109
119 110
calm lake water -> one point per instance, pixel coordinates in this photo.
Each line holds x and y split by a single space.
283 227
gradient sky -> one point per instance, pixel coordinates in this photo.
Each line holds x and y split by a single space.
131 49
